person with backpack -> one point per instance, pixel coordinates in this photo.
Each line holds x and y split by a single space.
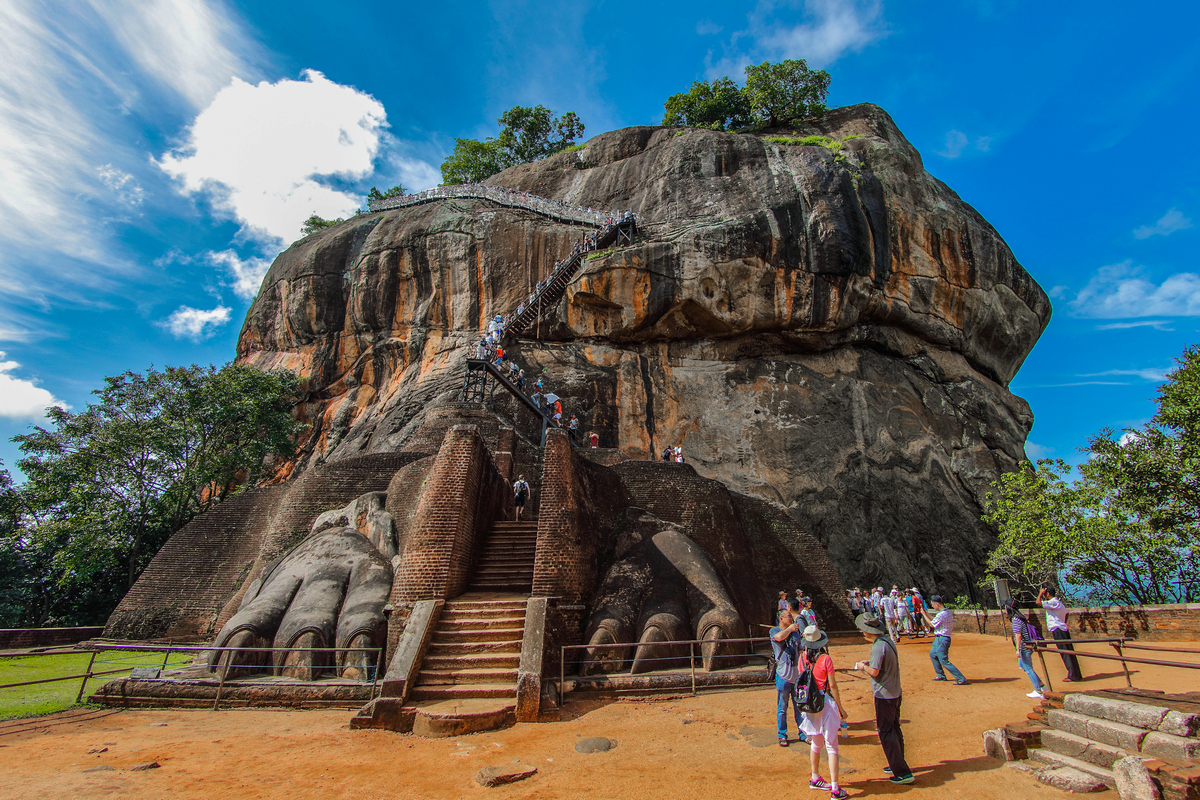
520 495
1025 636
883 668
818 697
785 643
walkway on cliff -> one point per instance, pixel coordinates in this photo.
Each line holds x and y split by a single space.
553 209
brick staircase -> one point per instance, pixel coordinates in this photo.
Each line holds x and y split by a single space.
505 563
468 678
1087 734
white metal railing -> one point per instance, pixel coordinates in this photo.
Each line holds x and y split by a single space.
505 197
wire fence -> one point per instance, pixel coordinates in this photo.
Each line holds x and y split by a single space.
37 682
504 196
746 649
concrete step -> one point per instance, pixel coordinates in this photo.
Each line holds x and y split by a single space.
483 600
1049 757
1068 744
441 718
468 648
464 675
464 691
506 558
503 586
483 635
510 660
504 571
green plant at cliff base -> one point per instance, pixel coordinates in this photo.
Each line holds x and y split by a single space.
963 603
1127 530
105 487
526 134
316 223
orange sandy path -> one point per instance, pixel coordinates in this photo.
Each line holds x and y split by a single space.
717 745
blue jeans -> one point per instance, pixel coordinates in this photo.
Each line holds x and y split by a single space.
785 691
1025 660
939 654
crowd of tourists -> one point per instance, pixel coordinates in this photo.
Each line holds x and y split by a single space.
805 673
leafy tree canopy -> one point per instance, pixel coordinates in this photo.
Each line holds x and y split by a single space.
774 94
1127 530
526 134
395 191
316 223
105 487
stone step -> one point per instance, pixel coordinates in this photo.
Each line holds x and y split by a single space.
441 718
502 548
503 585
1125 737
469 648
464 675
464 691
509 660
1068 744
468 624
454 605
1053 759
482 612
506 559
482 635
504 571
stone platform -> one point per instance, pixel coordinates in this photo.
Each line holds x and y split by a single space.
196 687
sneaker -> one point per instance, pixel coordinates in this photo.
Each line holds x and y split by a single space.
888 770
820 783
939 679
838 794
962 683
903 779
1035 695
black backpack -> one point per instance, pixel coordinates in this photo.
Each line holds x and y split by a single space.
809 696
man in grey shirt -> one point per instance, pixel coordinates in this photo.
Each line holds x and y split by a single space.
883 667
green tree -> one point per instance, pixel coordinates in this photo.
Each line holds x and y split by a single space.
107 486
396 191
1127 529
720 105
316 223
526 134
789 90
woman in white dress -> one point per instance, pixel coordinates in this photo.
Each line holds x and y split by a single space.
822 728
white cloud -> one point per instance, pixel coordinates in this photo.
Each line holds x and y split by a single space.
1151 374
1058 291
247 273
416 175
707 27
957 142
1157 324
195 323
1118 291
72 75
1035 451
1169 223
123 185
260 148
21 398
830 30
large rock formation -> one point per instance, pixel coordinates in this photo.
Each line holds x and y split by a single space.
830 329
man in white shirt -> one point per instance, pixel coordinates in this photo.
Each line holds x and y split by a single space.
1056 621
890 618
939 653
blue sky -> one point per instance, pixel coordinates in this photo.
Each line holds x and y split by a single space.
154 157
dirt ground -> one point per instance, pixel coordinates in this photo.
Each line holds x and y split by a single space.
720 744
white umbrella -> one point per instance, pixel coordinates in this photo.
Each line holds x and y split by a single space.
551 399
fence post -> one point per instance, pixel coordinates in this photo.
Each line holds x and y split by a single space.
166 658
87 675
1042 655
221 686
692 654
1124 664
375 671
562 673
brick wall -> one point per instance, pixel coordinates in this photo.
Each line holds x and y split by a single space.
461 496
22 638
1161 623
580 504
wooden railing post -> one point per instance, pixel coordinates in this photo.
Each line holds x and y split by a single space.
86 675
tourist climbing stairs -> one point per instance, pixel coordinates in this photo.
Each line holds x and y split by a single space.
475 651
505 562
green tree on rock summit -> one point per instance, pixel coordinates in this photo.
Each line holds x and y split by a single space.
774 95
526 134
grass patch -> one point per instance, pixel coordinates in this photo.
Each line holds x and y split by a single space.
836 145
47 698
572 148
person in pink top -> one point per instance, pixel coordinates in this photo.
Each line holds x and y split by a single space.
822 728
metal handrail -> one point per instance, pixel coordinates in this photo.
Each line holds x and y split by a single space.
691 643
1118 643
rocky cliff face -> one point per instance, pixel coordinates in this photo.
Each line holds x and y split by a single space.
833 331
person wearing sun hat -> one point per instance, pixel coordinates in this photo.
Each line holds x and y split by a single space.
883 667
822 727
